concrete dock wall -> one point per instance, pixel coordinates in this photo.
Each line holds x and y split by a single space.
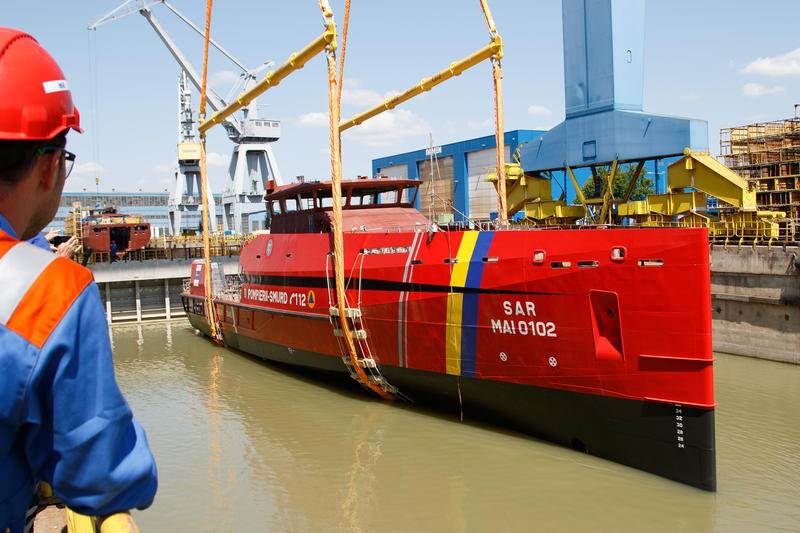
755 300
135 291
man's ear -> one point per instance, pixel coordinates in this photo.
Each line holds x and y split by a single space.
47 167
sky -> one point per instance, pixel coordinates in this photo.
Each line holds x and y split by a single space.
728 62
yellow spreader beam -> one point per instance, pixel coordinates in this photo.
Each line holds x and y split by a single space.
273 77
495 48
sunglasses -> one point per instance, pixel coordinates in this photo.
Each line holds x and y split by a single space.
69 157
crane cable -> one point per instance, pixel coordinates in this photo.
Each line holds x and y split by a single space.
497 75
336 193
212 316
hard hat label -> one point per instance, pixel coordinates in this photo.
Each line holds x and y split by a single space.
55 86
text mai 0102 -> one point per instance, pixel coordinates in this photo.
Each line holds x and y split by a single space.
522 327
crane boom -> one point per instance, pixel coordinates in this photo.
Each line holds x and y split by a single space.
202 34
131 6
252 165
232 125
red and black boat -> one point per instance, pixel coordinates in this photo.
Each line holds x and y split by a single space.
595 338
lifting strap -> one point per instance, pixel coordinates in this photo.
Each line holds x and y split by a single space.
336 193
212 315
497 75
341 59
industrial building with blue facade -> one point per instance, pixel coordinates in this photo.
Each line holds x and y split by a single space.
460 191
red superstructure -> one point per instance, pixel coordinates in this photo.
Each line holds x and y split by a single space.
596 338
104 226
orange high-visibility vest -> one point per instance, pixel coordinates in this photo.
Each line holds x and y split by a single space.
36 288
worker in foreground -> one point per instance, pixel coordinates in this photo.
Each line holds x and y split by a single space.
63 419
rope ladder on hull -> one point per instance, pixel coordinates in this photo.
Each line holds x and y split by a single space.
366 370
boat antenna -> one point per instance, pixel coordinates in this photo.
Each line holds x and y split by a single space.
431 192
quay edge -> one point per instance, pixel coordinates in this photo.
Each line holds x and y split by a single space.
755 300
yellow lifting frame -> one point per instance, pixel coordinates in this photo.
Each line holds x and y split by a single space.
274 77
579 192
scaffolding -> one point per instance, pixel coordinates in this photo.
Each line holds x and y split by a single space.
767 154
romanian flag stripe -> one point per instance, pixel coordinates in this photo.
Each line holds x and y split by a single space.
462 309
469 317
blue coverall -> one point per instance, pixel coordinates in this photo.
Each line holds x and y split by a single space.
63 419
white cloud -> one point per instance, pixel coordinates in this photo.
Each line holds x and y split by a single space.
479 124
223 78
214 159
539 111
787 64
754 90
314 119
389 128
166 168
353 93
90 169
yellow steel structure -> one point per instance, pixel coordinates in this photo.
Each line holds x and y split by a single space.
495 48
274 77
532 194
579 193
690 180
700 171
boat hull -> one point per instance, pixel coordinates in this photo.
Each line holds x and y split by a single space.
608 355
636 433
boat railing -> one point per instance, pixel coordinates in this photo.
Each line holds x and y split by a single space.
232 290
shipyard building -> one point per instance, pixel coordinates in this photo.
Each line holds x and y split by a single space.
152 207
768 155
458 173
454 185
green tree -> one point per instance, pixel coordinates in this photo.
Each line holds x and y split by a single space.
624 175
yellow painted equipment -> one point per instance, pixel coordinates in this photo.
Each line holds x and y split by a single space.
78 523
532 194
274 77
494 48
189 151
700 171
690 180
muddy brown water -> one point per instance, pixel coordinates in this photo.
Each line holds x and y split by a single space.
246 446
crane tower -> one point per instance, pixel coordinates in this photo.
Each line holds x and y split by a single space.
252 168
185 195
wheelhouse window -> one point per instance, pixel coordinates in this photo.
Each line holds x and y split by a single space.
290 205
275 207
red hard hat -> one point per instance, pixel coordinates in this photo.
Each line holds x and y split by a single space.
35 101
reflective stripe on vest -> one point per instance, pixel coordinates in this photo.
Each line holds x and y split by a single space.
19 269
37 288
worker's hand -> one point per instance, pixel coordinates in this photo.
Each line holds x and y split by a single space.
67 249
51 234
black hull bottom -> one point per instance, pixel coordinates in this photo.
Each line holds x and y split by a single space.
673 441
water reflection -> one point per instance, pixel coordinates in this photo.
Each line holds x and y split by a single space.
242 445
